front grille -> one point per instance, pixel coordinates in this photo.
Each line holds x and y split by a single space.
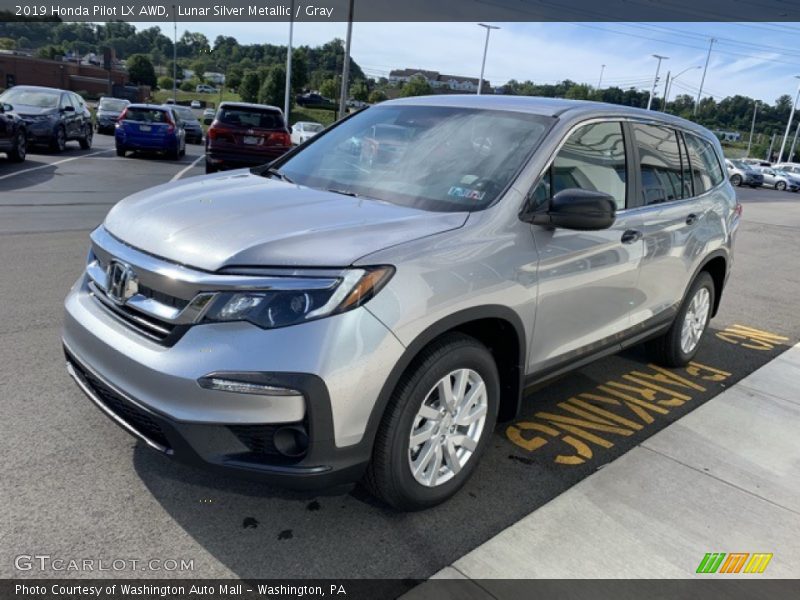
136 417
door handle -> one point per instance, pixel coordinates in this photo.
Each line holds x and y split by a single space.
630 236
691 219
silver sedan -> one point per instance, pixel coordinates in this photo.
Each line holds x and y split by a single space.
780 180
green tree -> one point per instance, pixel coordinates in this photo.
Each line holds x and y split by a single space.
249 88
7 43
416 86
359 90
50 51
188 85
376 96
165 83
328 88
140 70
273 89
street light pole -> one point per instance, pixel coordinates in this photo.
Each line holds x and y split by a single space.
655 79
794 143
752 127
288 91
174 54
703 78
789 124
346 68
485 50
600 81
668 87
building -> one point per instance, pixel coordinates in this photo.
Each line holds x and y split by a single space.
439 81
93 81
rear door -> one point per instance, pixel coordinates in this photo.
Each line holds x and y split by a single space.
680 178
587 279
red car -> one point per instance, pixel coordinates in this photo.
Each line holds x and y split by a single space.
246 135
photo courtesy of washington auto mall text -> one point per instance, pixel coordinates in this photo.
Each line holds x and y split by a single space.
399 299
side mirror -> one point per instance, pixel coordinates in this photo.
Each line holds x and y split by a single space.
575 208
68 108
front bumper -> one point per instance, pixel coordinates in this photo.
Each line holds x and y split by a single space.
338 364
40 132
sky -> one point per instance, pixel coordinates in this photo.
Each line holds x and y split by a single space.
758 60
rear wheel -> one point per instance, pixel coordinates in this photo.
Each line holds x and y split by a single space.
120 151
20 149
437 425
680 343
86 140
780 186
210 168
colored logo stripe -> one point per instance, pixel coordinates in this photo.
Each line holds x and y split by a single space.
758 563
713 562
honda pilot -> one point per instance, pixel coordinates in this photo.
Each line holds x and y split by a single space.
330 318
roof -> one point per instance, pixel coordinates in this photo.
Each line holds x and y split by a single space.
250 105
550 107
40 88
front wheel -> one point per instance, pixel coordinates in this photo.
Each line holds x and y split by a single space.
780 186
677 347
20 149
86 140
437 424
59 143
736 180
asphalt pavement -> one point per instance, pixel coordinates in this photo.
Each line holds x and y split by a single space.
76 486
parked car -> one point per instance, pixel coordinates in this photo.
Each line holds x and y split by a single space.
13 134
781 180
757 162
196 104
170 101
245 135
208 116
740 173
314 100
315 322
788 167
204 88
194 130
304 130
108 111
52 116
152 128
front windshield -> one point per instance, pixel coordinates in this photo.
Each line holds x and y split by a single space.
112 104
37 98
431 157
186 114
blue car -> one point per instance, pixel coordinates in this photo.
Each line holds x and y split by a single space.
151 128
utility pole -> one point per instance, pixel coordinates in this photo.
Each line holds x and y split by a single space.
655 79
794 143
752 127
174 54
485 50
789 124
346 67
600 81
666 89
771 144
287 93
703 78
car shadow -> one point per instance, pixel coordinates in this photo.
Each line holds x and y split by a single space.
257 531
14 178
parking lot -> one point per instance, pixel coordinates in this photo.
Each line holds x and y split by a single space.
77 486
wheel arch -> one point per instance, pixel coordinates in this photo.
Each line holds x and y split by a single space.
716 264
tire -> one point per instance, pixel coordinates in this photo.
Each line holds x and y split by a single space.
173 154
389 475
210 168
780 186
120 151
736 180
86 140
59 143
20 149
668 349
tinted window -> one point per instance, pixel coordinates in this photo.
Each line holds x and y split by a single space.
146 115
593 158
660 163
432 157
706 172
65 101
250 117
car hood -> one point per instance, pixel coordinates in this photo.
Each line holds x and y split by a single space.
243 219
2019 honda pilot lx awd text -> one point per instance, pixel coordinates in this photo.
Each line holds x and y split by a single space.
328 318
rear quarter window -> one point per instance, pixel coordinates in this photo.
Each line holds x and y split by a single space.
706 170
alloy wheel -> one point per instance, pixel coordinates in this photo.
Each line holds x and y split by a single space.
447 428
22 146
695 319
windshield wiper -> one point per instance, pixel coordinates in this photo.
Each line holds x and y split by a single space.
343 192
277 173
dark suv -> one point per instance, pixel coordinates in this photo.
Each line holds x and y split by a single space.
245 135
52 116
13 136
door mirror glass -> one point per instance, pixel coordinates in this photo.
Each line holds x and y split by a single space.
68 108
576 208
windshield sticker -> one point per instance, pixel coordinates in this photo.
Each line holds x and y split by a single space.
461 192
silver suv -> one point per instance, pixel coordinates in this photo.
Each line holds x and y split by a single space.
367 307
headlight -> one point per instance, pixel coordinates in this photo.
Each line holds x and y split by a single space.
283 307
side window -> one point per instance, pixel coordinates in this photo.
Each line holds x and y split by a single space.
660 157
706 172
77 102
65 101
593 158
